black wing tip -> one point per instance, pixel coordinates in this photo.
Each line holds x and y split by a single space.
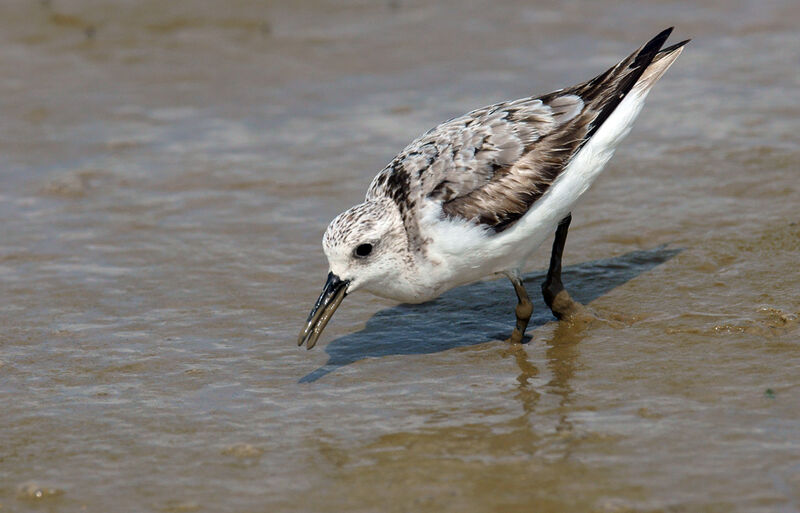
651 48
674 47
661 37
666 32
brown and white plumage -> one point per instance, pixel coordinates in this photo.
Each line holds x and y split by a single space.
490 165
477 194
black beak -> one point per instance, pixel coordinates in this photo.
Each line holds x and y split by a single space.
335 290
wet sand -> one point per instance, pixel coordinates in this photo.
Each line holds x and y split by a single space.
166 174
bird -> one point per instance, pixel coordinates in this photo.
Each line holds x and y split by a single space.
475 196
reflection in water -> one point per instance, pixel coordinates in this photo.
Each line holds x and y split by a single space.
470 315
562 356
527 394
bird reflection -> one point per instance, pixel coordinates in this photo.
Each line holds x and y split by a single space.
526 392
561 362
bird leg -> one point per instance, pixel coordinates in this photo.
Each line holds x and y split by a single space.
553 289
524 308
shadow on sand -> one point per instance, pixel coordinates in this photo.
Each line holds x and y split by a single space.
479 312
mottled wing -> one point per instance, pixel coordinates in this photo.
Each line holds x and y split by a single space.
491 165
458 159
536 143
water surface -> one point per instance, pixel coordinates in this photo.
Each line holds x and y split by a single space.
167 172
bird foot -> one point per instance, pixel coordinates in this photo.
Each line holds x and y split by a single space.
578 316
515 338
564 307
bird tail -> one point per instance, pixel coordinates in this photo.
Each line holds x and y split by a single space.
638 72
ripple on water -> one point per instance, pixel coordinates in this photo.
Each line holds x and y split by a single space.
75 183
180 506
33 491
243 451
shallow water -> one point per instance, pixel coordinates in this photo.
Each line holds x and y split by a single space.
166 174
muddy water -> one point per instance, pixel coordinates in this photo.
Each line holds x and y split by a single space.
166 174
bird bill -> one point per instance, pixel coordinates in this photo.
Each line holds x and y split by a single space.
332 295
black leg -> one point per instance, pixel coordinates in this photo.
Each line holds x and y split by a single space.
523 311
553 289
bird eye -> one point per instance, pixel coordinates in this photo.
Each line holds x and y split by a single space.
363 250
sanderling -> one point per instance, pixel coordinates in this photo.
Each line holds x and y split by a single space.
476 195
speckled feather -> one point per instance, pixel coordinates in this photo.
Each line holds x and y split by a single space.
491 165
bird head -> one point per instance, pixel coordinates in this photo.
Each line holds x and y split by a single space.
367 248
